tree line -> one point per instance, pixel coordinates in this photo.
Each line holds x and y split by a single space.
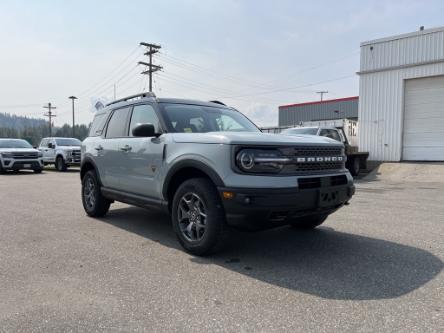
33 130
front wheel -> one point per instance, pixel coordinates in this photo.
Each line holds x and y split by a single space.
37 170
309 222
60 164
198 217
355 166
94 203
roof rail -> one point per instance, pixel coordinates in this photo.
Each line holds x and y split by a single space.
218 102
141 95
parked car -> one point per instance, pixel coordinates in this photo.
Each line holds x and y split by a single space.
17 154
62 152
356 160
210 167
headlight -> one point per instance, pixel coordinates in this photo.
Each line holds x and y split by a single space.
260 160
68 153
6 155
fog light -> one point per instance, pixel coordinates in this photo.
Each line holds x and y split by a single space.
247 200
228 195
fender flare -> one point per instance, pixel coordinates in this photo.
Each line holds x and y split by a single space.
213 175
89 160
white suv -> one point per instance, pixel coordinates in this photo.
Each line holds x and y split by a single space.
62 152
16 154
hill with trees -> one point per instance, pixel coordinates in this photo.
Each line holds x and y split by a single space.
33 129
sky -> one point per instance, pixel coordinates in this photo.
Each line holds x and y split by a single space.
254 55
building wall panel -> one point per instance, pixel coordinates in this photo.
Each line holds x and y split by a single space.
381 109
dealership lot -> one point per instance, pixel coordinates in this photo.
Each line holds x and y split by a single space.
376 264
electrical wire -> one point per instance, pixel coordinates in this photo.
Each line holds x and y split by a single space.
112 73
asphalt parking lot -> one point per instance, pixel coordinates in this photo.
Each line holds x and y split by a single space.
376 265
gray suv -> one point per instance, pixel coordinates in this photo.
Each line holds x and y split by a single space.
210 168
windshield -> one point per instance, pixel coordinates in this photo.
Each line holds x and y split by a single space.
185 118
14 144
68 142
301 130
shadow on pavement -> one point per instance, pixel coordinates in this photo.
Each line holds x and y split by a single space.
322 262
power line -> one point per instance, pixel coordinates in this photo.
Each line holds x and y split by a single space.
111 73
295 88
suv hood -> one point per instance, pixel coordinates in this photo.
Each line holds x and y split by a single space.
18 150
252 138
68 147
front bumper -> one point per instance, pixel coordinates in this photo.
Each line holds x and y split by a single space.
14 164
255 209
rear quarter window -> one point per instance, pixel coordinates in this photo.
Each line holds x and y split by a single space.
97 125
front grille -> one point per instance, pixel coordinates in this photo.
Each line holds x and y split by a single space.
309 159
24 156
312 151
76 153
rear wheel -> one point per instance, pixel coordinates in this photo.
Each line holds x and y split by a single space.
309 222
60 164
94 203
198 217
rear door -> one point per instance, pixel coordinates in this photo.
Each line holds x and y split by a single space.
109 160
142 157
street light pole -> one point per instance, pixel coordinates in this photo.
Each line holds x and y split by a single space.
72 98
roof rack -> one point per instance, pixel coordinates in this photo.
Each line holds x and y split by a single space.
218 102
141 95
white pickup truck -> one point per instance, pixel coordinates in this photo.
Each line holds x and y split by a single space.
62 152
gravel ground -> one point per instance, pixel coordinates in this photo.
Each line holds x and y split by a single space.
374 266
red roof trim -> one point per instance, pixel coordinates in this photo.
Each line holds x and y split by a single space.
322 102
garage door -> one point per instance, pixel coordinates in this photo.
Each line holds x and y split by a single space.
423 134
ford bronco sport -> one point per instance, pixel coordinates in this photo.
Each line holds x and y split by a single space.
210 167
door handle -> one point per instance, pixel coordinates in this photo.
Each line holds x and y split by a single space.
126 148
98 148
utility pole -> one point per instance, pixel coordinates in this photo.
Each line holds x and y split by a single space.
322 94
72 98
50 115
151 68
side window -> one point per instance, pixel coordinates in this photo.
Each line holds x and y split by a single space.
144 114
117 124
335 135
44 143
97 125
323 132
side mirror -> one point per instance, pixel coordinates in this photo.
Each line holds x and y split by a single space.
50 145
144 130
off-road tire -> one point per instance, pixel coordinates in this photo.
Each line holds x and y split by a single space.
355 166
216 229
100 205
309 222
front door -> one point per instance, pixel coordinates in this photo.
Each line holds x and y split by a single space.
49 151
142 157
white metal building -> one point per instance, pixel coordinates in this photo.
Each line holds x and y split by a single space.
401 97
